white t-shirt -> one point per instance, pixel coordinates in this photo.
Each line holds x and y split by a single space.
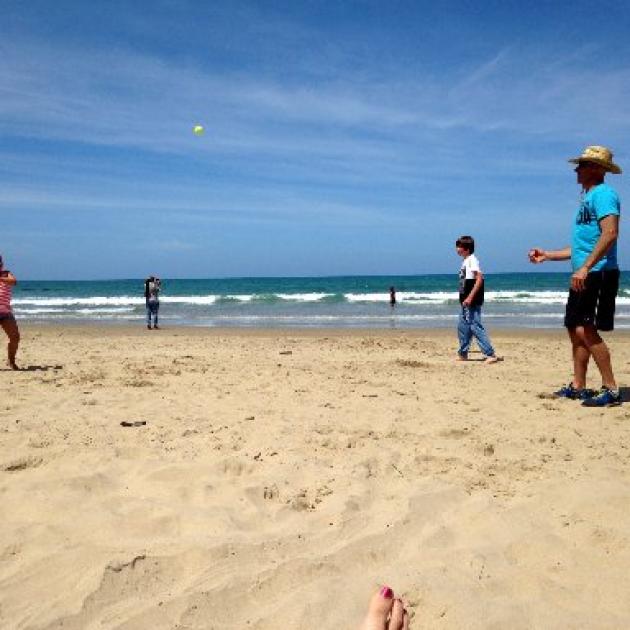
470 266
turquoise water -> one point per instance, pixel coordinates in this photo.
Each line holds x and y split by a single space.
515 300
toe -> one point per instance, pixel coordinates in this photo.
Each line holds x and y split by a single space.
378 610
397 616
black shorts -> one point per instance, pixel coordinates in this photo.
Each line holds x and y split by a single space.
595 305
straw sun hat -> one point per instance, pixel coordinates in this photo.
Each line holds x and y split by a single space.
598 155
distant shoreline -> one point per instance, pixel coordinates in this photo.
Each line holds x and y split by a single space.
115 329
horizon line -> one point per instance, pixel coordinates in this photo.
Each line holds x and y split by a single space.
296 277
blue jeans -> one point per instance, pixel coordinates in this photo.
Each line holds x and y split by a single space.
152 310
470 326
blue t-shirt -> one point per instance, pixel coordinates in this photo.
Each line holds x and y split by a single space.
599 202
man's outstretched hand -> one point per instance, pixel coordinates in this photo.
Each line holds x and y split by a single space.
537 255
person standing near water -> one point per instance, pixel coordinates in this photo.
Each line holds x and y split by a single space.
152 286
595 280
7 319
392 296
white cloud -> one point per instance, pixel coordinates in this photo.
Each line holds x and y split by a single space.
130 100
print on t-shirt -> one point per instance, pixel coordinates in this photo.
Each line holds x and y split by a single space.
585 214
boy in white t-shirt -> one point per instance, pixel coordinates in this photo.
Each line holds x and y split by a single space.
471 299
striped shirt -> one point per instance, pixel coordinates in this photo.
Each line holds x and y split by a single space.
5 297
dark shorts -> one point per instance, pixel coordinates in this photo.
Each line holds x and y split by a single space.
595 305
7 317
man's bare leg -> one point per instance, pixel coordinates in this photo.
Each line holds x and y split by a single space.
599 350
581 356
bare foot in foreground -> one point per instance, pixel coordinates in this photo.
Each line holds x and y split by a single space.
492 359
385 612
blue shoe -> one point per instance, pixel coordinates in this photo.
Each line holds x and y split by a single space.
605 398
568 391
585 394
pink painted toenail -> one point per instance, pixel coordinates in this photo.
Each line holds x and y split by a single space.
387 592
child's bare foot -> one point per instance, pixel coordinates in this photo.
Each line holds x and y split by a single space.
492 359
385 612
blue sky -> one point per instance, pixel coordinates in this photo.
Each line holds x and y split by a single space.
341 137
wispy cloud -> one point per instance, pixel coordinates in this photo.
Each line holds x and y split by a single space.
133 100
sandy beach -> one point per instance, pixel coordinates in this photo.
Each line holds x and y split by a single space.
272 479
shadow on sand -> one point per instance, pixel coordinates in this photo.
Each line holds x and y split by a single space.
33 368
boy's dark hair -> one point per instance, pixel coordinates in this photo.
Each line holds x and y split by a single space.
467 243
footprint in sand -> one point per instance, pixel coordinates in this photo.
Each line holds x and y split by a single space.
235 468
271 493
22 463
455 433
301 503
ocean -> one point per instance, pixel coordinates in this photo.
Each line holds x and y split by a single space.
513 300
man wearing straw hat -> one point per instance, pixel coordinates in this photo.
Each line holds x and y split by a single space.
595 280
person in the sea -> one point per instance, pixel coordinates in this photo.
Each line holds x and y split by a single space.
392 296
595 281
385 612
152 286
7 319
471 289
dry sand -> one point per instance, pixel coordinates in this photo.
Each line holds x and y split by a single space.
281 475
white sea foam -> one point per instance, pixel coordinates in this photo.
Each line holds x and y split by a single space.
65 311
557 315
37 311
437 297
200 300
404 297
443 297
91 311
123 300
126 300
240 298
289 297
304 297
535 297
367 297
